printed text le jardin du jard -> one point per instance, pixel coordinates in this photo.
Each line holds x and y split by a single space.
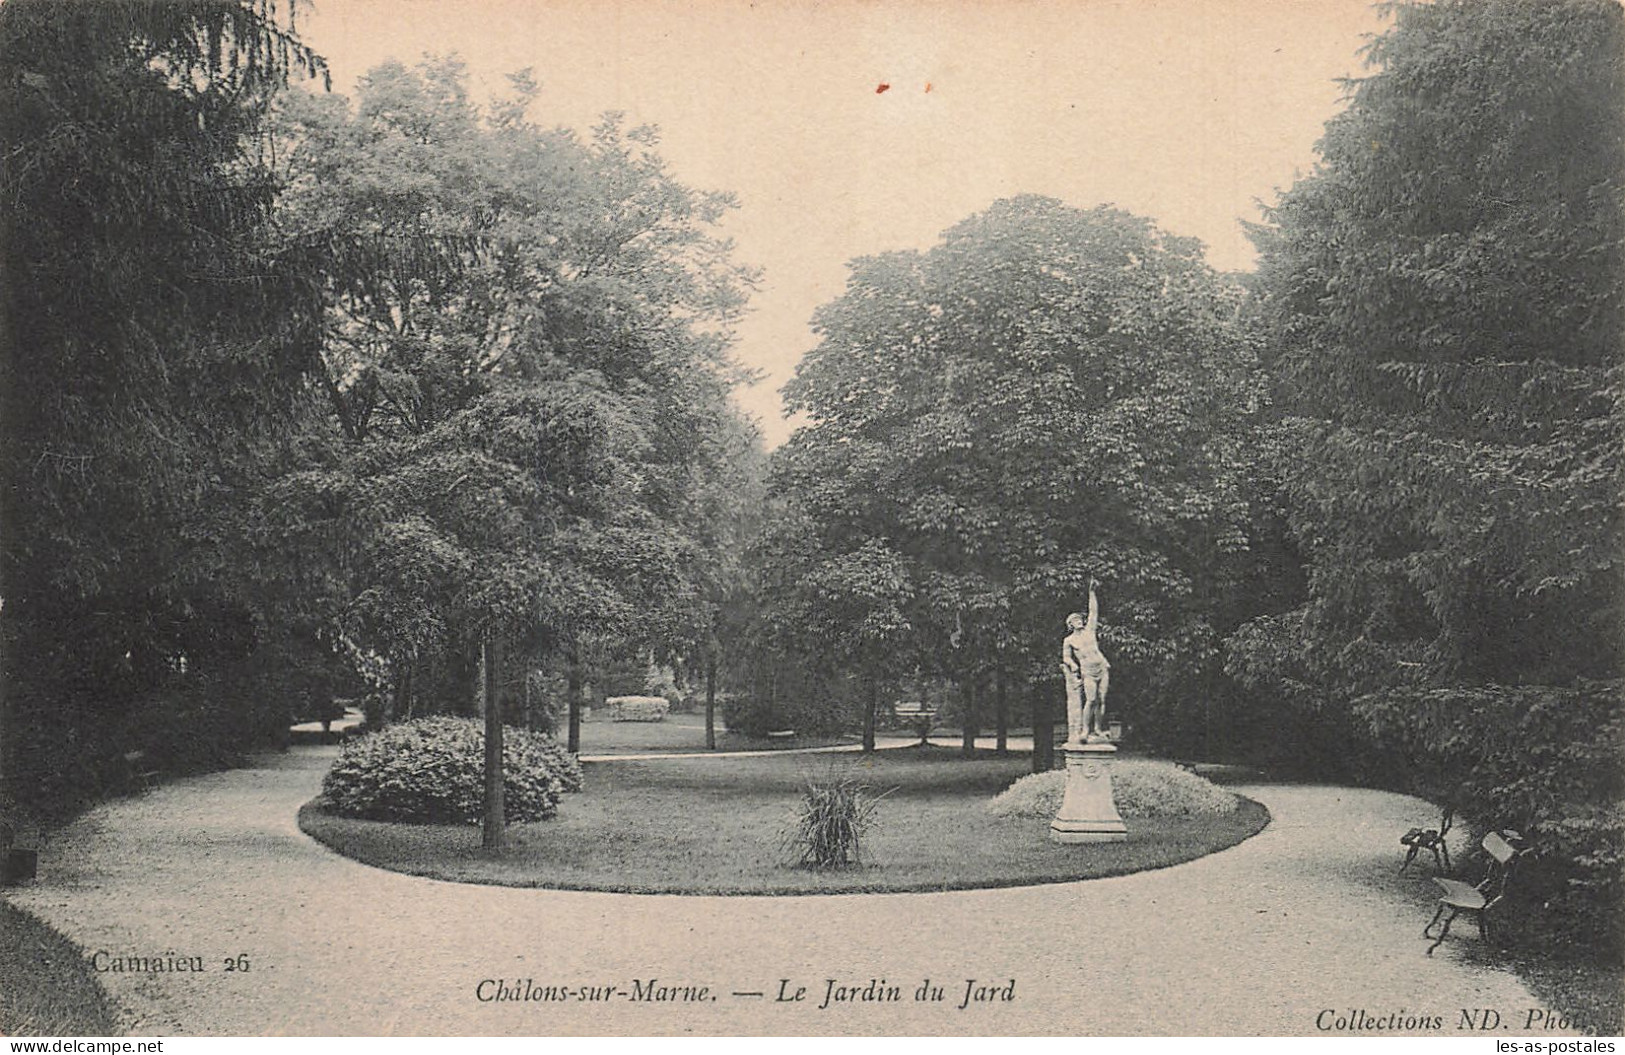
822 995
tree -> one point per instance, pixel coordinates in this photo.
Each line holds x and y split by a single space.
730 512
1458 342
1047 395
154 350
527 370
849 610
1442 308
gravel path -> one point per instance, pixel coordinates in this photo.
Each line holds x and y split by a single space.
884 743
1305 918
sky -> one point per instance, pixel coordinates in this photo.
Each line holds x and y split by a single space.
1186 111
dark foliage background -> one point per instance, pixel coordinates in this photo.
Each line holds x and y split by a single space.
1441 310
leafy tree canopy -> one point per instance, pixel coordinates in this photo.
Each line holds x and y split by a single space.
154 348
1048 394
1441 304
527 366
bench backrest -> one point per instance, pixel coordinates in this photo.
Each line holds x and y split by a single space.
1496 845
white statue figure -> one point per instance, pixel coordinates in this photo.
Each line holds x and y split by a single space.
1087 676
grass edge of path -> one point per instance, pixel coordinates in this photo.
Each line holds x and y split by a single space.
1253 818
47 988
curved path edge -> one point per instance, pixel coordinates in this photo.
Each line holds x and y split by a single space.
1302 929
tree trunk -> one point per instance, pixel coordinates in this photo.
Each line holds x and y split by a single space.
711 699
572 692
924 689
399 707
394 703
1043 730
492 837
1001 713
869 712
967 738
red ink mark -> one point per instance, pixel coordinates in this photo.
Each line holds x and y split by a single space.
928 87
883 87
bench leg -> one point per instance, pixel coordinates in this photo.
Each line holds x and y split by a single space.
1438 863
1444 928
1410 855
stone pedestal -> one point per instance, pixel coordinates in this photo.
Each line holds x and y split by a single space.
1088 814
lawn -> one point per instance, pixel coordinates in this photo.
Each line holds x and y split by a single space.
685 731
677 732
46 987
714 826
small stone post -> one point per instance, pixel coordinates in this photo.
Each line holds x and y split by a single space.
1088 813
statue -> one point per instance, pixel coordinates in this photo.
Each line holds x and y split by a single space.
1087 676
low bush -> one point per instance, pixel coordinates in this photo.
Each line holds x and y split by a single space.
637 708
1140 789
433 770
545 701
753 715
833 815
822 713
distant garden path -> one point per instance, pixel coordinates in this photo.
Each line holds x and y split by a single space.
1308 916
881 743
1014 743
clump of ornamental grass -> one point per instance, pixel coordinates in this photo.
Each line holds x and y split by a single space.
834 814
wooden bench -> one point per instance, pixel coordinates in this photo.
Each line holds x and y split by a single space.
140 770
1432 840
1457 896
18 864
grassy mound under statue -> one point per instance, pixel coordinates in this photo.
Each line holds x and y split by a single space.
1140 788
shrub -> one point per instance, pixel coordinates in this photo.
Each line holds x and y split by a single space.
637 708
546 700
825 710
433 770
831 820
1140 789
550 751
752 715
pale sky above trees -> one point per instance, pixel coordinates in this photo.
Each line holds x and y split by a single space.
1186 111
